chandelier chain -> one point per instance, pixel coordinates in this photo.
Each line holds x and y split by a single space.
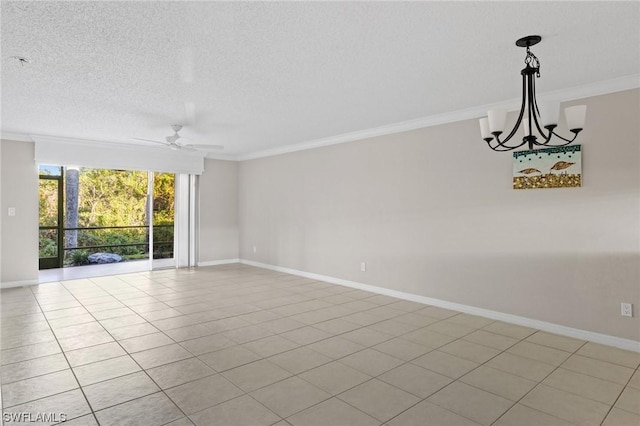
532 61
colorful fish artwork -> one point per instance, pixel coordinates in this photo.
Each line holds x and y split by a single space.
557 167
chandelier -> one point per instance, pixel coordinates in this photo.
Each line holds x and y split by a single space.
492 127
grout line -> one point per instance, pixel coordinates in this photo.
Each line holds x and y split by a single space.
261 281
136 362
458 378
619 395
540 383
67 360
127 354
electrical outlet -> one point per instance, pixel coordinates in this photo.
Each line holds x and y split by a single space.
255 249
11 211
363 266
626 309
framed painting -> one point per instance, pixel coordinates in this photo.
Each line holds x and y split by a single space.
557 167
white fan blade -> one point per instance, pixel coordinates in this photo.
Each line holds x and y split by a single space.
149 140
205 146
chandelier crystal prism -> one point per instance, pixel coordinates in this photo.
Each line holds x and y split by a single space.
536 122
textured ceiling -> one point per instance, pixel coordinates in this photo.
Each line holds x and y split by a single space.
256 76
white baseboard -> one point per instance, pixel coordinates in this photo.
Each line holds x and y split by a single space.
11 284
218 262
604 339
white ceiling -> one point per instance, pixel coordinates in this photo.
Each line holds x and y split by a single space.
261 76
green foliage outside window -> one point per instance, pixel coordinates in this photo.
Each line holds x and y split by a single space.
112 198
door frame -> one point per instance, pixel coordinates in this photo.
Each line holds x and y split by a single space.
58 261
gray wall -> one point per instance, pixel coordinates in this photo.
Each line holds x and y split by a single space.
432 213
218 207
219 236
19 234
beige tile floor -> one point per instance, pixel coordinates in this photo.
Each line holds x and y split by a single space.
237 345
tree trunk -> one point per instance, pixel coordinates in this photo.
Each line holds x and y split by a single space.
71 210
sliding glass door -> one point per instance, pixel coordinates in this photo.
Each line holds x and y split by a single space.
98 216
51 242
162 190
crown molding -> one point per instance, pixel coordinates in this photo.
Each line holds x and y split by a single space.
577 92
22 137
569 94
223 157
19 137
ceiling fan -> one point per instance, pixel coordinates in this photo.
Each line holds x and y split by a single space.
177 142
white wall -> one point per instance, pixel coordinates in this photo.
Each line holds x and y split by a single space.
19 234
432 213
218 212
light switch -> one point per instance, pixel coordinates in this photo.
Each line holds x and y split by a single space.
12 211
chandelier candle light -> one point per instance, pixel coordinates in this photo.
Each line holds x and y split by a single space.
493 126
